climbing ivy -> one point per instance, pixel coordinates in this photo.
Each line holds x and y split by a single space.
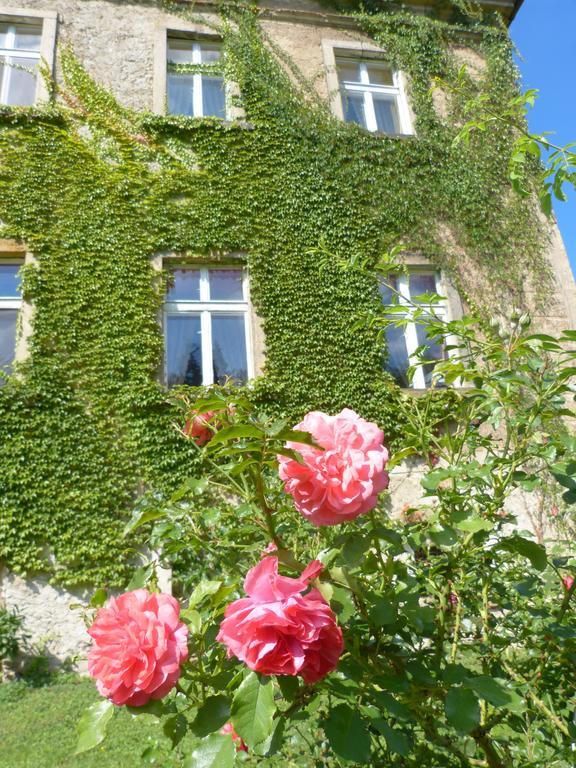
96 190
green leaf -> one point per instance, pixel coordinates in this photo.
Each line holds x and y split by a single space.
141 517
348 734
174 728
396 741
92 725
234 433
253 709
474 524
212 715
215 751
202 590
534 552
462 709
494 692
384 612
98 598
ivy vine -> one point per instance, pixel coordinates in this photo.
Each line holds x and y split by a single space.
96 190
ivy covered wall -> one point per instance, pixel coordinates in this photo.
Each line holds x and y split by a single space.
96 191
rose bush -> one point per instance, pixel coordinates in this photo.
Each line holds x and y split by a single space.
441 635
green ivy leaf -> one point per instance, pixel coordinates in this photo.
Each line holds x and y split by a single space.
462 709
253 709
214 751
92 725
348 734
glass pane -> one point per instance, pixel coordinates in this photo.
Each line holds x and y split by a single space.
21 83
179 50
209 53
353 104
180 94
9 281
8 319
229 347
183 350
397 363
385 287
386 111
434 352
213 98
420 283
378 74
27 37
3 35
348 71
226 285
184 285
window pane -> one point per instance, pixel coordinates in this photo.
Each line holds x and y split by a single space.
397 363
213 97
7 338
28 37
184 285
379 74
385 287
386 114
3 35
348 70
353 104
434 352
210 53
21 83
180 94
9 281
226 285
179 50
183 350
422 282
229 347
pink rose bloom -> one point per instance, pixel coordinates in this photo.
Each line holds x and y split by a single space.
240 743
342 481
277 630
198 428
139 645
568 581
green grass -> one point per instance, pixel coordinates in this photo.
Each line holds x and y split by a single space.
38 729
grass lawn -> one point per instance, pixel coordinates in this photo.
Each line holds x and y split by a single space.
38 729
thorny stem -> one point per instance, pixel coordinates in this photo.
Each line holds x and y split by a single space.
560 724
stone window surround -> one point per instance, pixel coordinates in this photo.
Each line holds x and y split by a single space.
256 346
200 32
49 21
332 48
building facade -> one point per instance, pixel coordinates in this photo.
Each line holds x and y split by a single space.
252 149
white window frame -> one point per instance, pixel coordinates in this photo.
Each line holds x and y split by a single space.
11 302
12 54
206 308
439 309
369 90
47 21
197 87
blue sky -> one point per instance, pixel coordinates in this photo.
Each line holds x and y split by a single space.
545 33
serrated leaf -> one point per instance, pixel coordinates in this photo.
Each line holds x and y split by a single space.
529 549
92 725
174 728
462 709
348 734
253 709
202 590
236 432
212 715
214 751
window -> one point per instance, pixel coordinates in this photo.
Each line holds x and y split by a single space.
372 95
403 341
19 59
207 326
10 301
195 83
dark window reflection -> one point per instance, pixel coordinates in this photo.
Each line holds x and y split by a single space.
434 352
8 318
229 347
397 363
183 350
226 285
184 285
421 283
9 281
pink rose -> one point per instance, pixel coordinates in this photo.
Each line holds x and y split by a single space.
139 645
277 630
198 428
240 743
568 581
342 481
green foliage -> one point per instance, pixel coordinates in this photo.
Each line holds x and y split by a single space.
11 635
95 191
